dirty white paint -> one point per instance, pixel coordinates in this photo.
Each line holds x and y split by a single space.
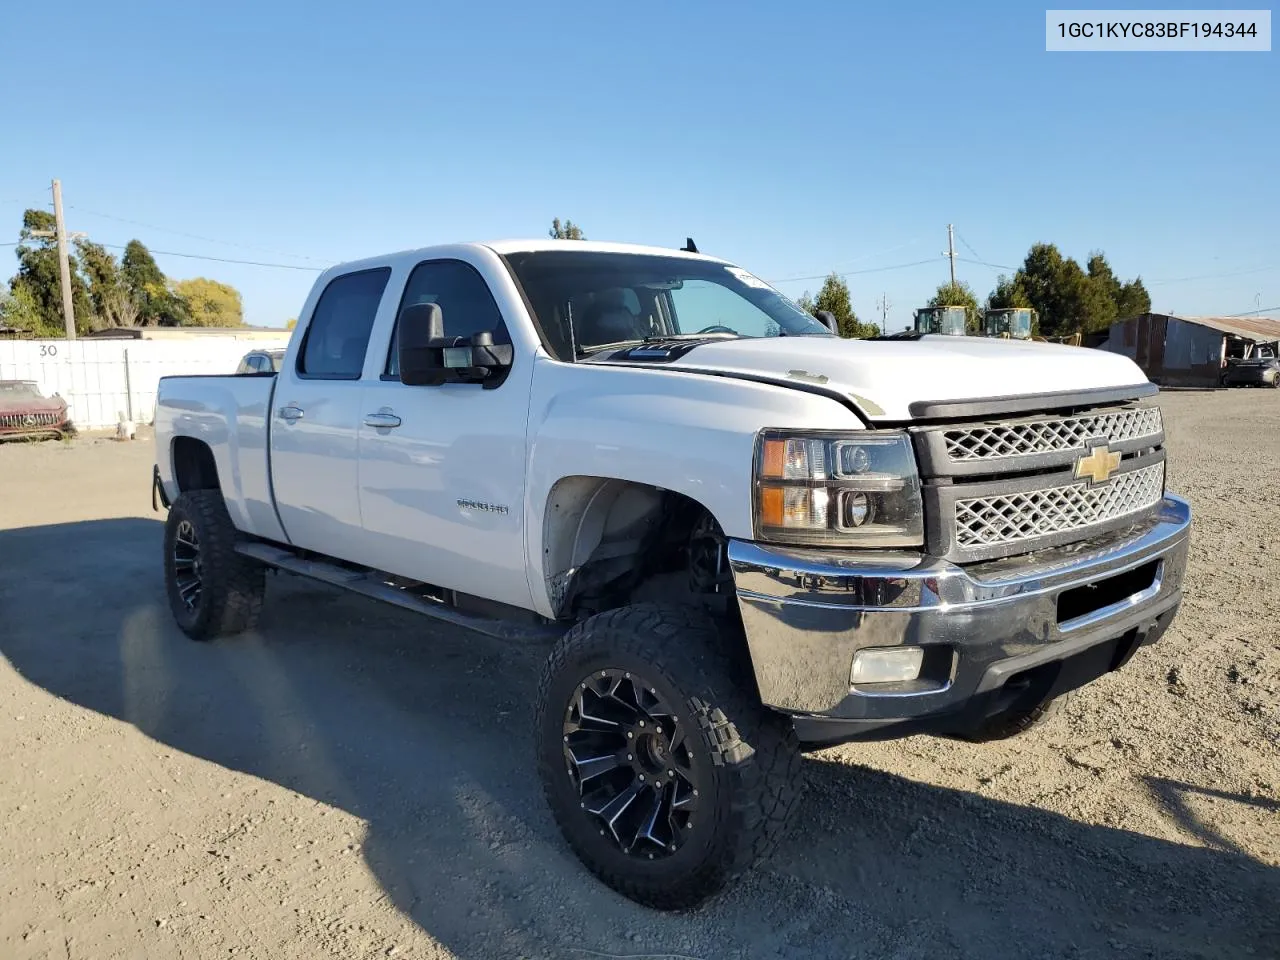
103 379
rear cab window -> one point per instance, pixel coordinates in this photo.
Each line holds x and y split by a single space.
337 337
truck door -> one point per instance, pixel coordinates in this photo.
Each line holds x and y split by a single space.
442 468
316 416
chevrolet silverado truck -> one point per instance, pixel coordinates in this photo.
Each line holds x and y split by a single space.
740 535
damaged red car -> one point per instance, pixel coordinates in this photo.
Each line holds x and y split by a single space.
26 412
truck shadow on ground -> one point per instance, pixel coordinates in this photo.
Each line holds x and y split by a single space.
423 731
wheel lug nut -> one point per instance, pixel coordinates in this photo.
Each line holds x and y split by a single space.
630 757
642 723
630 734
671 773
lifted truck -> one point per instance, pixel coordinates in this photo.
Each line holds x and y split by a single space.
740 534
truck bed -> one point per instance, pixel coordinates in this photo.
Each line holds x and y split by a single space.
231 414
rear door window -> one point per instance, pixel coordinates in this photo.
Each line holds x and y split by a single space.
338 335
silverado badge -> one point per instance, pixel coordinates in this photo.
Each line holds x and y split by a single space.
1098 466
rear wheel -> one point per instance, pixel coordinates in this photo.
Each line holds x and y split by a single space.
213 591
663 770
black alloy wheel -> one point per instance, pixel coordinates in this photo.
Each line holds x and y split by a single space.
663 770
186 565
630 761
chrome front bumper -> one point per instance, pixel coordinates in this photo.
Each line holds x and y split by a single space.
1042 622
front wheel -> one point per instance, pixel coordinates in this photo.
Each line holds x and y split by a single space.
1017 721
663 770
213 591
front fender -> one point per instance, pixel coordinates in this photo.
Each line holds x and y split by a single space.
690 433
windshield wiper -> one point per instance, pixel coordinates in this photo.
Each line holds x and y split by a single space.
665 338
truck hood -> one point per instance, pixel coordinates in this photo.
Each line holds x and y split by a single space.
884 378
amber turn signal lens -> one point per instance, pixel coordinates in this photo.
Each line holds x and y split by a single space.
771 501
775 461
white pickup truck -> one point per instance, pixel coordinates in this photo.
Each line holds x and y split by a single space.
740 534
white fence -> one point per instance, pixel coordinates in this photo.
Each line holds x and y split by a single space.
102 379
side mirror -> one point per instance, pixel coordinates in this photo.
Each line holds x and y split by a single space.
828 319
428 358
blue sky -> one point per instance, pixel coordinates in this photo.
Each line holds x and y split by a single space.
793 138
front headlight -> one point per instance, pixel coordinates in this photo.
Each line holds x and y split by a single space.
837 489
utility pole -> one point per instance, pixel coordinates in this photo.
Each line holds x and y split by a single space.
884 305
951 252
59 234
64 261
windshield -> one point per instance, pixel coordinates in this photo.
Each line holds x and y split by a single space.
20 389
588 299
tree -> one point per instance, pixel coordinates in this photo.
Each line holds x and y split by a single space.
834 298
113 306
959 295
37 284
1132 300
157 303
210 303
1056 288
565 231
1067 298
1009 292
19 310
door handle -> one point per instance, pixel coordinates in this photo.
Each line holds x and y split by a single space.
383 419
290 413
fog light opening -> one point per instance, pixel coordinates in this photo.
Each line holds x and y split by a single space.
886 665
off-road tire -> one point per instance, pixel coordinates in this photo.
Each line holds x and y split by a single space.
1015 722
750 752
232 586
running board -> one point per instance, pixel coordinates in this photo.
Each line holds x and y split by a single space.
372 585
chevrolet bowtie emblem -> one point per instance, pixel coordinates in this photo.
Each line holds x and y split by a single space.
1098 465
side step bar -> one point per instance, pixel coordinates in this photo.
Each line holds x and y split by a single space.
373 585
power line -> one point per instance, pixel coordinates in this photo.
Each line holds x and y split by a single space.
850 273
967 247
197 256
194 236
984 263
1251 313
1215 276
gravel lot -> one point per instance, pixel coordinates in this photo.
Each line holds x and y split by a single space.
352 781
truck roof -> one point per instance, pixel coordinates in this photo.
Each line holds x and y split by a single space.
504 247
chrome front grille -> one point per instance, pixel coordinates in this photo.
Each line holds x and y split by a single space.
29 420
1016 518
1000 441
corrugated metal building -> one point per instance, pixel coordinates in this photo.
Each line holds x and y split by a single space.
1188 351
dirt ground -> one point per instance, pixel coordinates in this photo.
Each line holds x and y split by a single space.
352 781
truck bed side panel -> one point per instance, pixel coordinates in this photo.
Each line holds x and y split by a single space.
230 415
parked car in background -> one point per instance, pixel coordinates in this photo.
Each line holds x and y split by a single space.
261 361
1254 372
26 412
